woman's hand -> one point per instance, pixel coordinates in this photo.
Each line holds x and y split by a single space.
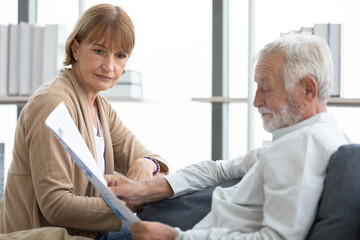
142 170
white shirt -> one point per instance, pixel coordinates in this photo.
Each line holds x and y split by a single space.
280 189
100 146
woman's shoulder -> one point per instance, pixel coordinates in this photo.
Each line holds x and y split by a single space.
47 97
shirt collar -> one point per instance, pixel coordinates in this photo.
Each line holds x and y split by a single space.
320 117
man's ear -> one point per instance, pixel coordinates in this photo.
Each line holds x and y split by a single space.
74 48
309 85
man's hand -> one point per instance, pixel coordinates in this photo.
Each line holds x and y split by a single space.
153 231
126 189
137 193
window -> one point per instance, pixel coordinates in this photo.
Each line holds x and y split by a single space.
64 12
274 17
8 12
238 76
173 53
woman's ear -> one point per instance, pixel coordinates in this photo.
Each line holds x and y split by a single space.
75 48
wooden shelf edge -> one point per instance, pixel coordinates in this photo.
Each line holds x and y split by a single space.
220 100
13 99
119 99
24 99
344 102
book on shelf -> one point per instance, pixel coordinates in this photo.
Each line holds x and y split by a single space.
37 57
306 30
321 29
335 47
53 51
127 86
25 52
30 55
2 169
13 60
3 59
130 76
124 90
332 34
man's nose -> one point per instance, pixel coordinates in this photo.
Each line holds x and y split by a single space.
259 99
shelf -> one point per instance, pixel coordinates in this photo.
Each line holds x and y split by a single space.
341 102
21 100
344 102
13 100
219 100
125 99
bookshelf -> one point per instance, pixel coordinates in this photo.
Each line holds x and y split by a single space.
19 100
337 102
344 102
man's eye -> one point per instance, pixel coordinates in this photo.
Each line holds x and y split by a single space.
266 88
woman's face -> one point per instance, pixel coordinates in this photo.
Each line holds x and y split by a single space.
97 66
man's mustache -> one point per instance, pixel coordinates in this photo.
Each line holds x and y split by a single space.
263 110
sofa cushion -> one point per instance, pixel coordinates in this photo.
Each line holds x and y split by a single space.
338 215
184 211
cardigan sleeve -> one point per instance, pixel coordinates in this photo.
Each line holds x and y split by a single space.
64 195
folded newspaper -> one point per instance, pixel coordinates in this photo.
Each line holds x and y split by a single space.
62 125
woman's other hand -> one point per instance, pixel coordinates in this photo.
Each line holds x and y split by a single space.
142 170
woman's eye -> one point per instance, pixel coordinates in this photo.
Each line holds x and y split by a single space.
121 55
98 51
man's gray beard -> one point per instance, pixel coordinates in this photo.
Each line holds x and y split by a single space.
288 116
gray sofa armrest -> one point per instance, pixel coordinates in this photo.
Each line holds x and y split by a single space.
338 215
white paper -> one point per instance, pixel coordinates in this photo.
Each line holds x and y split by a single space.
62 125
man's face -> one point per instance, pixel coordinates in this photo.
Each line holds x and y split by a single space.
278 108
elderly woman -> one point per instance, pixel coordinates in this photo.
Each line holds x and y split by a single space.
44 185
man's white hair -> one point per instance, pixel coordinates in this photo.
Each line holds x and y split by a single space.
304 55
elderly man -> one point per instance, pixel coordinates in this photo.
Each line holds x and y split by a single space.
282 182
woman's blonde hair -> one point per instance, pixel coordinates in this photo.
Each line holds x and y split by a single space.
102 21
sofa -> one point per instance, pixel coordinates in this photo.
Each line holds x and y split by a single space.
338 216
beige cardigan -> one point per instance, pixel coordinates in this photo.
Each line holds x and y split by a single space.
44 186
